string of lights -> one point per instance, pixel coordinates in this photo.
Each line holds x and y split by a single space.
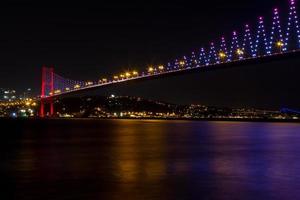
253 43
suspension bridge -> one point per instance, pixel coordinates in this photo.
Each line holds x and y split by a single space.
279 38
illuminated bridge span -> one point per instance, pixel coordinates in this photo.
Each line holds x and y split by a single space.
278 38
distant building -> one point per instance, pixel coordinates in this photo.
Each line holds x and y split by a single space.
26 94
7 95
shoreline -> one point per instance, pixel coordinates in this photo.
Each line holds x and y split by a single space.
159 119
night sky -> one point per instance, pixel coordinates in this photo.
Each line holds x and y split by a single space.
87 41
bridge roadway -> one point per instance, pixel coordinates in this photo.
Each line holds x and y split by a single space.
221 65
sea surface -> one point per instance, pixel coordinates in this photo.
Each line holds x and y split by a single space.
148 160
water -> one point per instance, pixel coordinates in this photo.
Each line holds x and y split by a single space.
143 160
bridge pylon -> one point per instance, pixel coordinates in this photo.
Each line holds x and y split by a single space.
47 88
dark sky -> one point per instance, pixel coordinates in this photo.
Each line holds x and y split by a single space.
87 41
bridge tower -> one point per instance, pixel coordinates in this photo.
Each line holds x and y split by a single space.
47 88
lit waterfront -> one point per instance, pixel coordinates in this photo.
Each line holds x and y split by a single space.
126 107
136 159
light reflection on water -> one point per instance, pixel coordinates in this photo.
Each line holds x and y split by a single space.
132 159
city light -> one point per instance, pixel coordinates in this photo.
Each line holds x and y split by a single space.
18 107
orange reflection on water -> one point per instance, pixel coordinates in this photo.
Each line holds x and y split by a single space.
137 158
155 170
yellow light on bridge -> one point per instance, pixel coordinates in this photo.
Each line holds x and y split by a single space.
240 52
77 86
135 73
116 77
122 76
182 63
222 55
89 83
67 89
150 69
57 91
161 67
104 80
127 74
279 44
